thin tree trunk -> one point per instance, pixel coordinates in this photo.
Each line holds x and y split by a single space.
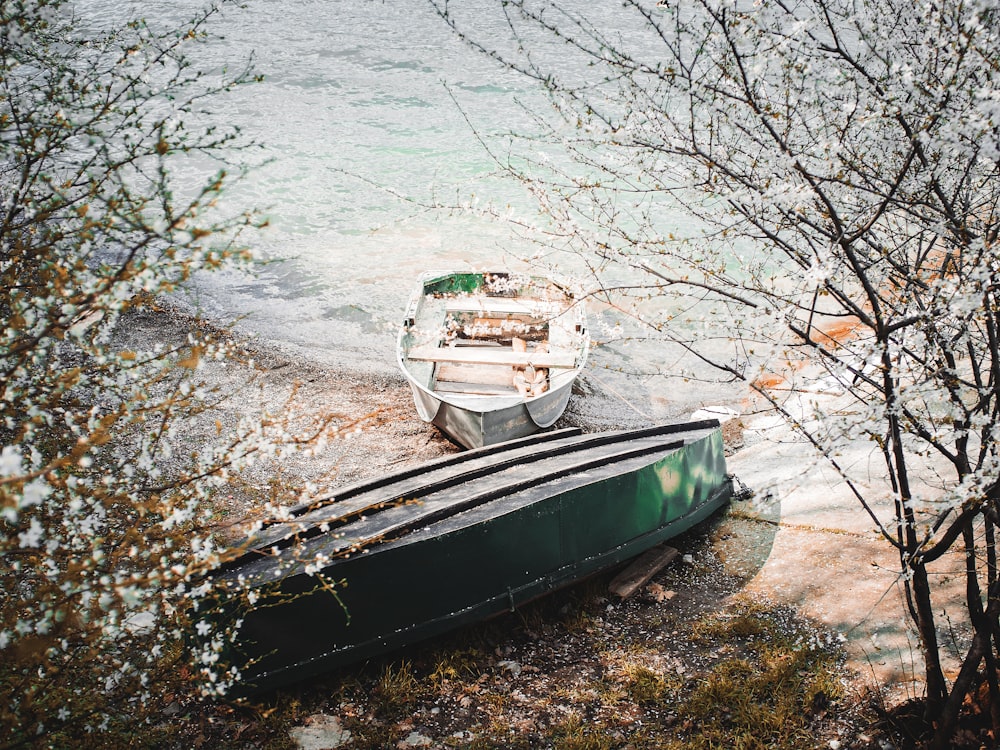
992 665
948 717
937 689
919 585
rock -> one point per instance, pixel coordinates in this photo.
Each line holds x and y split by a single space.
511 666
414 739
320 732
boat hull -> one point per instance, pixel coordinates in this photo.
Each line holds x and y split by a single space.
477 424
468 566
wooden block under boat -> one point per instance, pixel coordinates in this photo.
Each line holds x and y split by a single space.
492 355
639 573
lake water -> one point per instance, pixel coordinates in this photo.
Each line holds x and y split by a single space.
359 94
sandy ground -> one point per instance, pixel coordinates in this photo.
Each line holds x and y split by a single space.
826 558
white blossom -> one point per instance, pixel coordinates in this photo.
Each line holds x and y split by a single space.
10 461
33 536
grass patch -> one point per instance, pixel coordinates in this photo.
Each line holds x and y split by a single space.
575 734
397 689
783 678
644 686
455 664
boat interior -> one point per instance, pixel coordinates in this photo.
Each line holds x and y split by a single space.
497 346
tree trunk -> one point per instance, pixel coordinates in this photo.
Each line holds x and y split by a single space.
937 689
948 717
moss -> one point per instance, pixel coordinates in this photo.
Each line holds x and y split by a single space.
645 686
770 696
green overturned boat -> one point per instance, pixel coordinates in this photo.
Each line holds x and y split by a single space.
408 556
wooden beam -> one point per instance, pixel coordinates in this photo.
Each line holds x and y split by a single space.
642 569
492 355
505 305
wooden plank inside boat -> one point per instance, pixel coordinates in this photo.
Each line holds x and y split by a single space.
509 305
485 380
475 389
471 326
482 374
492 355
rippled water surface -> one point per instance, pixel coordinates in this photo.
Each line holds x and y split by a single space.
362 101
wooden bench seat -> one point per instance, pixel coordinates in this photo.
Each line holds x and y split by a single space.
474 389
492 355
501 305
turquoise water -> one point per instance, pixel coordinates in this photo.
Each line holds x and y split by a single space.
366 114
